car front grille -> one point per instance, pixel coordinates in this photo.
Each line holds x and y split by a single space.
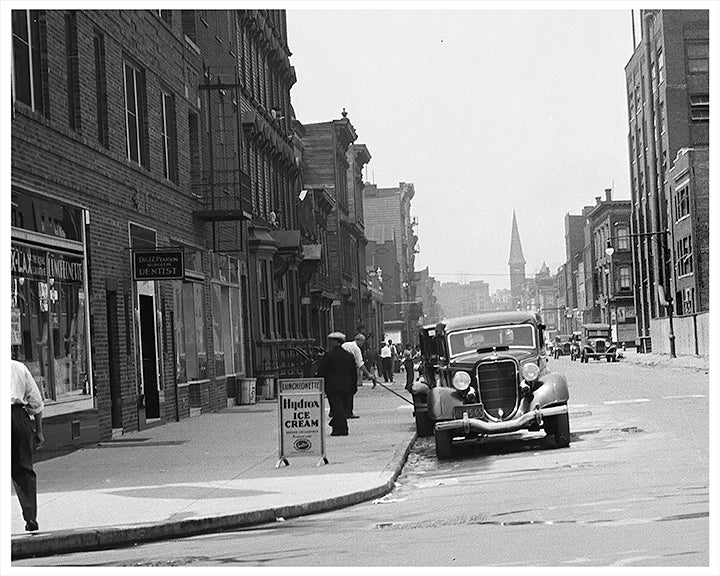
599 346
498 387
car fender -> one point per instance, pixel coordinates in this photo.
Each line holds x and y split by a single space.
440 402
552 389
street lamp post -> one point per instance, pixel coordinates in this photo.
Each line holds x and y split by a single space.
611 284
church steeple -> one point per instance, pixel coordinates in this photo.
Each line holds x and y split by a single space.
516 253
517 267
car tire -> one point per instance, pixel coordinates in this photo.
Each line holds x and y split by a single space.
443 444
559 427
583 359
423 424
608 358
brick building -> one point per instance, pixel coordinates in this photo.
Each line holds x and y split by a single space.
668 109
141 136
387 218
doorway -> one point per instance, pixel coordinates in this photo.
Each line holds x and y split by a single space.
148 356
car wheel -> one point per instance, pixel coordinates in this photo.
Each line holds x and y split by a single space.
423 424
584 359
443 444
559 427
608 358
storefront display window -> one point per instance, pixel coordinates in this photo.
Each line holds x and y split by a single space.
48 320
227 315
190 342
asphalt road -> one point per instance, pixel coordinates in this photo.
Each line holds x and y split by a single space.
631 490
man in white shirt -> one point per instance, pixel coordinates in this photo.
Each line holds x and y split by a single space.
386 362
26 400
355 348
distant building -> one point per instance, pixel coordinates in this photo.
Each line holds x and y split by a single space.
458 299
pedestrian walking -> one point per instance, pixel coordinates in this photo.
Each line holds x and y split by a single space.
355 348
409 365
25 439
395 356
386 362
337 368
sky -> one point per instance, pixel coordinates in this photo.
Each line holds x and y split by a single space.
485 111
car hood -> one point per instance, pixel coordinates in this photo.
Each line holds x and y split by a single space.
472 358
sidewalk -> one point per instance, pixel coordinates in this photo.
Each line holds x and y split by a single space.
701 363
209 473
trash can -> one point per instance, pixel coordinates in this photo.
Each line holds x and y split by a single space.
247 390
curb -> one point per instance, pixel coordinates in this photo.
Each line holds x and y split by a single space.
84 540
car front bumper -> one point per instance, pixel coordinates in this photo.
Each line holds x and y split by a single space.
468 425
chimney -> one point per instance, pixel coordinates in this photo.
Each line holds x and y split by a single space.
608 194
597 200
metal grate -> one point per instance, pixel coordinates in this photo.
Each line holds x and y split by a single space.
498 387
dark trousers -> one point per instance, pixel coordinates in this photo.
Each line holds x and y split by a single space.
338 420
387 369
23 474
349 401
410 372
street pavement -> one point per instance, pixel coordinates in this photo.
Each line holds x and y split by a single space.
217 471
213 472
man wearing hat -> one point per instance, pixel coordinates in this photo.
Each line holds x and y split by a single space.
337 367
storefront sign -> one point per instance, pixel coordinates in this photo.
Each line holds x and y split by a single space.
158 265
301 418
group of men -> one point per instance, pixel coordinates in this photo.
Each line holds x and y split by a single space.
341 366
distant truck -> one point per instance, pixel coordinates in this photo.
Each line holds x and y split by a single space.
597 343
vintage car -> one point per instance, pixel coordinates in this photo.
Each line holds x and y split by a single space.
486 375
597 343
562 345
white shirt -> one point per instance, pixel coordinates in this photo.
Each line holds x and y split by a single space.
385 352
23 388
354 349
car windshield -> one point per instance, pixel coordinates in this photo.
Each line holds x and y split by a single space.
597 334
515 336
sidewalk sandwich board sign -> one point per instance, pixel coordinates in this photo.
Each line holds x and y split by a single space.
301 418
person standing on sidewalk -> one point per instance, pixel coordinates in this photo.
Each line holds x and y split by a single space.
337 367
355 348
409 365
26 400
386 362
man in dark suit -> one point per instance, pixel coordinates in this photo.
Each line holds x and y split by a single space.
337 367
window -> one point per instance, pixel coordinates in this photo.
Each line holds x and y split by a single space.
264 297
625 277
661 65
169 138
682 203
101 90
697 58
73 79
684 256
194 145
189 302
700 108
623 239
227 316
27 59
166 15
135 114
687 299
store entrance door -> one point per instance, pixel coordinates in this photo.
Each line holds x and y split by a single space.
148 356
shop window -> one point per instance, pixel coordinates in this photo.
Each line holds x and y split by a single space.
264 297
227 316
28 62
190 345
72 71
48 320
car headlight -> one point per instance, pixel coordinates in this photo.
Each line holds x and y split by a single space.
461 381
530 372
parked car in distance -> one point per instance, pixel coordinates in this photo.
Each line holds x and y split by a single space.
562 344
487 375
597 343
